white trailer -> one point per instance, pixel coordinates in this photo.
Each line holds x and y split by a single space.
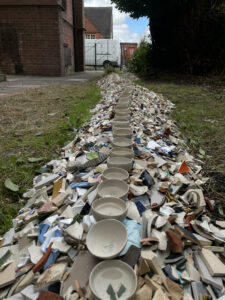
102 52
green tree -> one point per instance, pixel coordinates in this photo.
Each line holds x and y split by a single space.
187 35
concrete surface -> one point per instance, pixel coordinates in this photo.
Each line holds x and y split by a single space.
18 83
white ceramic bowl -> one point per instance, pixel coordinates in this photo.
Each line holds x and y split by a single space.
116 273
116 127
122 118
113 188
122 152
122 111
109 208
120 162
123 132
115 173
123 114
122 142
106 239
123 105
122 124
124 98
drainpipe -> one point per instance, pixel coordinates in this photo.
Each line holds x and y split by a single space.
74 34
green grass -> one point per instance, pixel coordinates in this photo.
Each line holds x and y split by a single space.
199 114
111 70
70 105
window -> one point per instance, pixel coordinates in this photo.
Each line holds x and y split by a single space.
90 36
131 51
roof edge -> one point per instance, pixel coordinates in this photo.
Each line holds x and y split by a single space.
31 2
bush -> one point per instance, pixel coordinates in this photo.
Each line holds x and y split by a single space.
140 62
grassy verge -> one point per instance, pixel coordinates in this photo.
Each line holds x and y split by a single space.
33 127
199 113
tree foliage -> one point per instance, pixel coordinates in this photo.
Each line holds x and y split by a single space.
187 35
140 61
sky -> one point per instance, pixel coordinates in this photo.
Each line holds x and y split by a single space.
125 29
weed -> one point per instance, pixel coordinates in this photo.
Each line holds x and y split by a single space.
110 70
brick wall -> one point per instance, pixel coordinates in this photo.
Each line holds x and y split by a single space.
91 29
127 51
67 38
29 40
37 37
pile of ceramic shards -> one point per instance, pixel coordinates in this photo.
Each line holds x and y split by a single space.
120 215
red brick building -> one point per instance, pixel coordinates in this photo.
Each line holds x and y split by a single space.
98 22
127 51
41 37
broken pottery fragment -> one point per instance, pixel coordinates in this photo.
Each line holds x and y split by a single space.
8 275
75 231
215 266
53 274
205 275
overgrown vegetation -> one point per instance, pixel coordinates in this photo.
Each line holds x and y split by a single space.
32 133
111 70
199 113
140 62
187 36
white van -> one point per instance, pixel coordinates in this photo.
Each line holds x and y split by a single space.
102 52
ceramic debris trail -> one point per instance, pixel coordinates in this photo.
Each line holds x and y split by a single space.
122 213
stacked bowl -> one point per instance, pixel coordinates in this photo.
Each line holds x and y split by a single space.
108 237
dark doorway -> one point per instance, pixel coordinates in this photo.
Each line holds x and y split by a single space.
9 49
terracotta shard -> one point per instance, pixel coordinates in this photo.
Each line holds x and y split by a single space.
174 242
43 260
186 234
184 168
46 295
